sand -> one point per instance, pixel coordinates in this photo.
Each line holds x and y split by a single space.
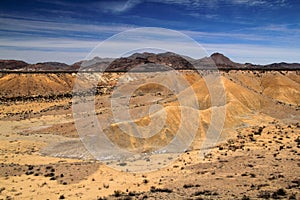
256 157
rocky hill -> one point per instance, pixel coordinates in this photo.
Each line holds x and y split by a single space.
21 66
12 65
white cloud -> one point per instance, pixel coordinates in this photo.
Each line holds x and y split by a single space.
63 48
192 4
195 4
121 6
201 35
46 49
64 30
282 28
116 6
72 50
48 43
265 3
24 25
249 2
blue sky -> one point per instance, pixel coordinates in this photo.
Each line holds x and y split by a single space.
257 31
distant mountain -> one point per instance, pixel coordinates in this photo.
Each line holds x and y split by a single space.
95 64
282 65
12 64
16 65
143 62
222 61
150 62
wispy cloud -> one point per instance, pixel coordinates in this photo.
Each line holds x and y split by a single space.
280 28
263 3
279 34
122 6
272 35
42 49
198 35
64 29
73 38
49 43
250 2
196 4
69 31
117 6
58 28
113 6
71 50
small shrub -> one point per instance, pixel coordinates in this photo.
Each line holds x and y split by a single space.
117 193
188 186
131 193
278 193
154 190
205 192
145 181
245 198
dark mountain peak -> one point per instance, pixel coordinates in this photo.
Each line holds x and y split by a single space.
53 64
50 65
221 60
143 55
217 54
167 54
149 62
147 55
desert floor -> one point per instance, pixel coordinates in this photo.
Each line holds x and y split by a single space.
257 156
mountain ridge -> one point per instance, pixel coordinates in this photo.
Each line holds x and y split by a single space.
143 62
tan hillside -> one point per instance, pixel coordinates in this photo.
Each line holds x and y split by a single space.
240 104
281 88
150 141
256 155
14 85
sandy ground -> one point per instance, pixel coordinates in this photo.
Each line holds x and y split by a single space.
257 157
255 164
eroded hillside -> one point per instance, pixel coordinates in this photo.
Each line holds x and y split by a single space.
256 155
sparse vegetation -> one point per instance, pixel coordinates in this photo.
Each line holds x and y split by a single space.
145 181
253 161
154 190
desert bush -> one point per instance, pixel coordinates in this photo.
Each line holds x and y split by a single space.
154 190
117 193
